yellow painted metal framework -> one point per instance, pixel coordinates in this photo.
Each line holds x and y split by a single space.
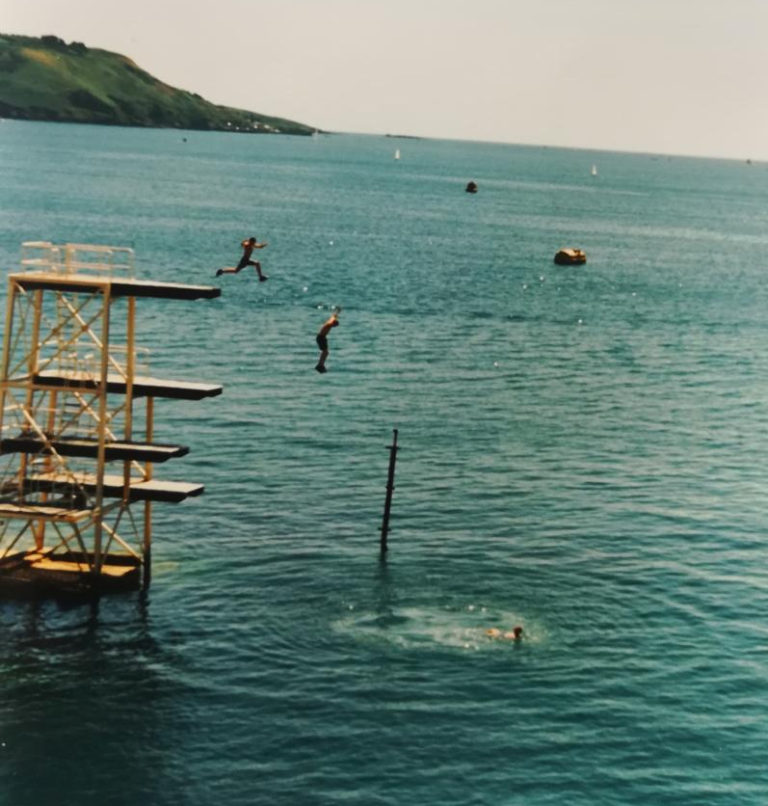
77 447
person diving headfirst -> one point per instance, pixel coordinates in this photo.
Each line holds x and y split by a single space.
322 338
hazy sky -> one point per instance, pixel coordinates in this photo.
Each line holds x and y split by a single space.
667 76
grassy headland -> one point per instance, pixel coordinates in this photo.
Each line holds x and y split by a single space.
44 78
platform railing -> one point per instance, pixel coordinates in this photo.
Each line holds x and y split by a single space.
73 258
109 260
81 360
41 255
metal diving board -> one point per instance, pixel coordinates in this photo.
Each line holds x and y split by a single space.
89 448
43 512
116 384
139 489
118 287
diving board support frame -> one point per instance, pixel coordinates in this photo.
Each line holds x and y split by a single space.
68 409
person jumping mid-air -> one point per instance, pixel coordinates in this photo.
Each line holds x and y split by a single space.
322 339
248 246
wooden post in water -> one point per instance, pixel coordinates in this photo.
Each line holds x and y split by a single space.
390 487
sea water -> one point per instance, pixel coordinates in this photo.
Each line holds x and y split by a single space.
583 451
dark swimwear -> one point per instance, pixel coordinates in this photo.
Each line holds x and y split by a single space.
244 261
322 342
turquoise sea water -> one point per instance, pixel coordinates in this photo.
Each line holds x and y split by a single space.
584 451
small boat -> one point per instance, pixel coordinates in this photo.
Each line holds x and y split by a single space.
570 257
594 170
397 153
471 187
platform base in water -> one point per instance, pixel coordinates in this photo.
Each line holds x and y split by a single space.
45 574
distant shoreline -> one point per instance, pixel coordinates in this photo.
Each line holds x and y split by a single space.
46 79
8 116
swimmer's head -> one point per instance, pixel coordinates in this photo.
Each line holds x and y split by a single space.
518 631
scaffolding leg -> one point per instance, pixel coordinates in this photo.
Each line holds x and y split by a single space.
147 547
146 578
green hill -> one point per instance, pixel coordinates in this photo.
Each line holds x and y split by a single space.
46 79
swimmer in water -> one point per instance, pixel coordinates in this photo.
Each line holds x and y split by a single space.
515 635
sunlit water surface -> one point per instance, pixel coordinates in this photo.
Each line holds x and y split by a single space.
583 452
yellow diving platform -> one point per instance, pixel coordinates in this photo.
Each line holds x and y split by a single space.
77 423
117 384
136 488
89 448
